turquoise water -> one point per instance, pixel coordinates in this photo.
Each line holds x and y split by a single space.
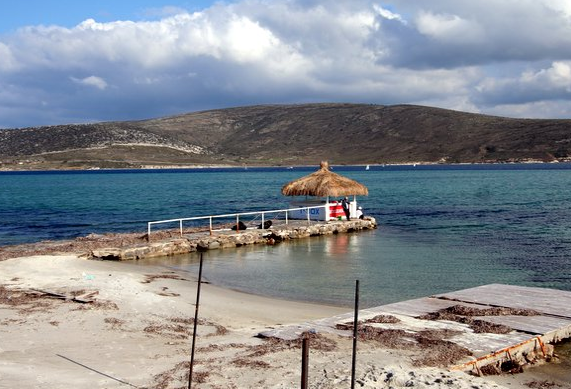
441 228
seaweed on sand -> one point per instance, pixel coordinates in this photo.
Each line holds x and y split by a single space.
152 277
317 341
26 301
181 328
436 350
178 374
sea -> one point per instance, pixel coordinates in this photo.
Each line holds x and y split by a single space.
440 227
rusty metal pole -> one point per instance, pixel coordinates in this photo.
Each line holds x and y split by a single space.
355 334
304 362
195 322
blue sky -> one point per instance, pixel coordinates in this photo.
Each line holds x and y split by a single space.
68 13
64 61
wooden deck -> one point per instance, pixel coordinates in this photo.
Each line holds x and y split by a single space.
529 335
547 301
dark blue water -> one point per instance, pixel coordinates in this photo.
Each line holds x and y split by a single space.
441 228
59 205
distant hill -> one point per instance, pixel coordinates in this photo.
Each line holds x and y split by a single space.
290 135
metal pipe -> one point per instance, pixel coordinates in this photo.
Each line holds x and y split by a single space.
355 334
195 322
304 362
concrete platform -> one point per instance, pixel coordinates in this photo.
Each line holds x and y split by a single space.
528 338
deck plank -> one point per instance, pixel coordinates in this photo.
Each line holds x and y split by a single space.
537 325
547 301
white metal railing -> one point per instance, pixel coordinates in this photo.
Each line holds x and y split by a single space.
237 215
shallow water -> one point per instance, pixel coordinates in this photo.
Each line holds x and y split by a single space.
390 267
561 368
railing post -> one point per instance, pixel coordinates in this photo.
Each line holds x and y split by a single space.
263 213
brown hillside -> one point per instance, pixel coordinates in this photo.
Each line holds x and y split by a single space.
295 134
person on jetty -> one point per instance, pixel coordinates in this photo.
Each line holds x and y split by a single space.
359 213
345 205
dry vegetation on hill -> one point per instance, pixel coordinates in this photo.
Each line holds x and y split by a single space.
291 135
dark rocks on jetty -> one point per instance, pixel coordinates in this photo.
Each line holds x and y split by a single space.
240 226
227 238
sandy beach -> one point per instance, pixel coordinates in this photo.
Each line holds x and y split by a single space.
131 326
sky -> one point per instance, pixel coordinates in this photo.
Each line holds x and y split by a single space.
70 61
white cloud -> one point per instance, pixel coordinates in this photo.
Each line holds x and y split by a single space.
387 14
563 6
92 81
246 41
487 56
551 83
557 76
450 28
7 61
534 110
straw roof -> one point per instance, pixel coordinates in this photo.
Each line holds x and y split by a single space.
324 183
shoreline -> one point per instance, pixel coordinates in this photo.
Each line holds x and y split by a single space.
285 166
139 325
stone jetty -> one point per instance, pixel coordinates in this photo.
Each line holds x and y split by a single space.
226 238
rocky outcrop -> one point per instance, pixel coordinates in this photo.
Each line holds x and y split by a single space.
41 140
226 239
154 249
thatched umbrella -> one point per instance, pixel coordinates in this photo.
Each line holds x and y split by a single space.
324 183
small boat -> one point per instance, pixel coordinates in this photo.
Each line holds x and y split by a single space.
367 167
